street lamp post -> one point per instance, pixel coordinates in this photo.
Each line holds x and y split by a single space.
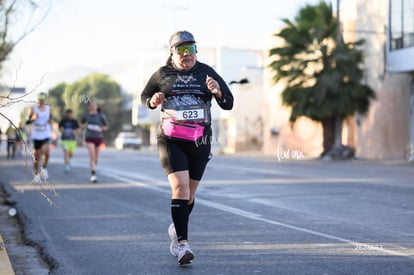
338 150
338 119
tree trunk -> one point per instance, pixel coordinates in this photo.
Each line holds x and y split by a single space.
328 126
338 131
334 140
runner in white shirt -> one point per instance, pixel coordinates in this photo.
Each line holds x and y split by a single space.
41 133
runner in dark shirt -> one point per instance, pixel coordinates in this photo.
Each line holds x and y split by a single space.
68 128
184 88
94 123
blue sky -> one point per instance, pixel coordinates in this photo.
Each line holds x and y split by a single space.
95 33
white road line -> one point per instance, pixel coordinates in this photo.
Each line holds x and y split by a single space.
148 183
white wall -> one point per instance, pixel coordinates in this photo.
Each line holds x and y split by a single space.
401 60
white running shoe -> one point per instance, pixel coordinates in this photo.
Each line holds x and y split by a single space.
37 179
67 168
94 179
44 173
174 246
185 255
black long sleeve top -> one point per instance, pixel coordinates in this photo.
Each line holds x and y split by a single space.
186 89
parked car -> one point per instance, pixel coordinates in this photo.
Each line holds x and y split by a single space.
127 140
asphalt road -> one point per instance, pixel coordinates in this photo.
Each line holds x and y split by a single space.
253 215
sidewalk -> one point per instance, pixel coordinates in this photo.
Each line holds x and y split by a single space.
16 257
5 264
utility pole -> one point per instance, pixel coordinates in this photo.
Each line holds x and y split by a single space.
337 150
338 119
338 23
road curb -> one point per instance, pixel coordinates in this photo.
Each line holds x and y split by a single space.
5 264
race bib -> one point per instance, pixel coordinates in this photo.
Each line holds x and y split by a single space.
94 127
190 115
39 127
196 113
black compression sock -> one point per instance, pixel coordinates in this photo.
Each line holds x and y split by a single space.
179 213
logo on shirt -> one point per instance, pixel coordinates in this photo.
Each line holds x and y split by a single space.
185 78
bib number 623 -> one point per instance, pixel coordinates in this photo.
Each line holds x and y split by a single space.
190 114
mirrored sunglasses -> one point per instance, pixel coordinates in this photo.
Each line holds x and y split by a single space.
191 49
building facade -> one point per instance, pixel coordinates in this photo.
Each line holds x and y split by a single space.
387 26
387 131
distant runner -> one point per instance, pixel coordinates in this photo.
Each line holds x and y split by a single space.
68 128
40 119
95 123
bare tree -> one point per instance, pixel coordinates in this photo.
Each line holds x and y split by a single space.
22 16
19 18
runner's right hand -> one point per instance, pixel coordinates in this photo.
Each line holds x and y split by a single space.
157 99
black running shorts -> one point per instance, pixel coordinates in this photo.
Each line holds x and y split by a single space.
38 143
178 156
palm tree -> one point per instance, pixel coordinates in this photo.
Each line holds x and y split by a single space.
323 75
